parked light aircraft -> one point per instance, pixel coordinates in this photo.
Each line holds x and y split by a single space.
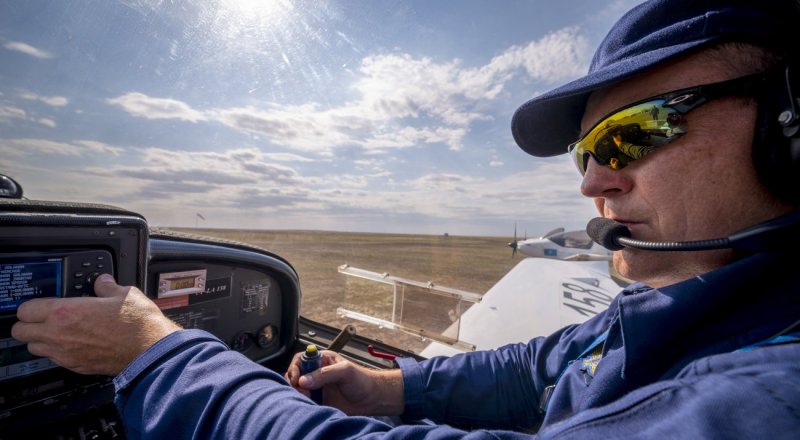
561 245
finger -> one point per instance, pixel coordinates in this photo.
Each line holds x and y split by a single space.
330 357
106 286
324 376
35 310
292 375
293 372
23 331
39 349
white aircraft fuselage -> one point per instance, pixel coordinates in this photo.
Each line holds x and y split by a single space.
562 245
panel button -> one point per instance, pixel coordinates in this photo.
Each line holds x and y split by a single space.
91 277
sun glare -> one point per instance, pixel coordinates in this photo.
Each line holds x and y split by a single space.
243 22
257 10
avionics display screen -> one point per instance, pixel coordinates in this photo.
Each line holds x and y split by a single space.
181 283
22 279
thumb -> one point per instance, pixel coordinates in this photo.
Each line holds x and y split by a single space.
105 286
324 376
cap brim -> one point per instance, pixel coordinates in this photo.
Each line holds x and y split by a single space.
545 125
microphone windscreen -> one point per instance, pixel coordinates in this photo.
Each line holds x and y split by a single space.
605 232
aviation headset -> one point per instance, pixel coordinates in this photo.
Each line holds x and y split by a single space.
776 143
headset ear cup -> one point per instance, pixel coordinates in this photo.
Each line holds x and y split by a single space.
776 148
765 149
794 159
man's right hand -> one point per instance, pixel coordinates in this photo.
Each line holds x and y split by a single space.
351 388
92 335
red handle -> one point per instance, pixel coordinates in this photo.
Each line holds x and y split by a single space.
380 354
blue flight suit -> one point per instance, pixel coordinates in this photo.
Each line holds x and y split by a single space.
677 362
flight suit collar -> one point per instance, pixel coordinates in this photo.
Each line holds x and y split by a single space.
720 311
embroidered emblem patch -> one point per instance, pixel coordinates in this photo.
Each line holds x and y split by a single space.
589 364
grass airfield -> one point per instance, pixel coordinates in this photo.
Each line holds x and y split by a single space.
473 264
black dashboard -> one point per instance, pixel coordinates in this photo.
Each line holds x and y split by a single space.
244 295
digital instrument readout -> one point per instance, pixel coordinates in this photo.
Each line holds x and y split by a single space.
181 283
23 280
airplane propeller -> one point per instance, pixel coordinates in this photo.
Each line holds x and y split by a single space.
513 244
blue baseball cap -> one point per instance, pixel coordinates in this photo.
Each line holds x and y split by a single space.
650 34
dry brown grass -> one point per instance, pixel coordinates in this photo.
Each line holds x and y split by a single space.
469 263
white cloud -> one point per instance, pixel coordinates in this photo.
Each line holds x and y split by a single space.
38 146
368 162
46 121
268 199
401 101
545 196
100 147
27 49
9 112
412 136
496 163
556 57
247 187
232 167
242 184
548 194
342 181
437 182
55 101
400 86
305 127
141 105
287 157
32 147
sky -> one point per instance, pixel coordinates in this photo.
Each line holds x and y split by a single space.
365 116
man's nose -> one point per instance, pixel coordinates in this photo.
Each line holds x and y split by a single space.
602 181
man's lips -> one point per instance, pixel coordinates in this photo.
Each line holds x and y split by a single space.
625 221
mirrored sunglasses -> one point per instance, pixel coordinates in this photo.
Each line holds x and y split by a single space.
634 131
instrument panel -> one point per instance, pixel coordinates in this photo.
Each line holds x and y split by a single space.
246 296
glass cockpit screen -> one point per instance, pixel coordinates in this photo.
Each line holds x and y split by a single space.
22 279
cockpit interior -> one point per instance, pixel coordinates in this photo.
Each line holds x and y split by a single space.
244 295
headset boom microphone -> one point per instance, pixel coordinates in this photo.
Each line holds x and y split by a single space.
778 234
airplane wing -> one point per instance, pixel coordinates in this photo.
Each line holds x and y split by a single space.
537 297
587 257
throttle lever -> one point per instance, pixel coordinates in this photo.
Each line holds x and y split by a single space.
342 338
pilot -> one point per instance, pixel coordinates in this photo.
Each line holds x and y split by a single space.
703 346
633 150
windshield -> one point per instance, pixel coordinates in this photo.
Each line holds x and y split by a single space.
369 134
573 239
